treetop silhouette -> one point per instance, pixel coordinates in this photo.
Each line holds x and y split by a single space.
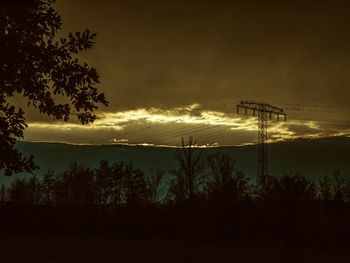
38 66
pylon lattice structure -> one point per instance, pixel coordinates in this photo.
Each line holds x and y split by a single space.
264 112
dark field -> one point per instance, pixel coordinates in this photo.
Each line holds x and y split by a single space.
81 249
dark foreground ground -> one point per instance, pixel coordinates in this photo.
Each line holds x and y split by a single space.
21 248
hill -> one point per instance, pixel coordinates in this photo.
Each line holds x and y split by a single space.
310 157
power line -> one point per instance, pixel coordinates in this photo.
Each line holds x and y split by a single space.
315 105
184 133
310 110
197 128
161 134
173 133
223 135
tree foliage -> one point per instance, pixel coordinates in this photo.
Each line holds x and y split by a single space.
40 67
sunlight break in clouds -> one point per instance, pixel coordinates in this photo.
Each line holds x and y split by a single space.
177 115
156 126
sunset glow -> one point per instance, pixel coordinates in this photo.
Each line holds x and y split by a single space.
156 126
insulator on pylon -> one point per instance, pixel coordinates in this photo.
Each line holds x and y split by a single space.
263 109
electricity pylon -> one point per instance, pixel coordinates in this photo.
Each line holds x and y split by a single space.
264 112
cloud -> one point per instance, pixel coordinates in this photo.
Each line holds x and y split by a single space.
63 126
155 56
164 54
156 126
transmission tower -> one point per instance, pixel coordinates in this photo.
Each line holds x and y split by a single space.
264 112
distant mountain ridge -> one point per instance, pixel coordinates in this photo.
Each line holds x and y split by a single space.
310 157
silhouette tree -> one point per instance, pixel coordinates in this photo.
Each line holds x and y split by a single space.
118 183
324 187
154 184
179 187
226 183
104 182
339 184
76 186
34 64
334 187
25 191
189 176
222 167
288 188
135 185
2 193
129 185
47 187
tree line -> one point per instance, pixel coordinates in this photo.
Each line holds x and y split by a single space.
205 197
198 177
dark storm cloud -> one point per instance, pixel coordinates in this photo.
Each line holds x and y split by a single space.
302 129
170 53
155 56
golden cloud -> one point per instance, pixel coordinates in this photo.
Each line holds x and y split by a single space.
154 126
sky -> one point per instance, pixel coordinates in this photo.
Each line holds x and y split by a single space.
179 68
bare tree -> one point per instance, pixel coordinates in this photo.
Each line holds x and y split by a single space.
188 177
225 181
154 185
